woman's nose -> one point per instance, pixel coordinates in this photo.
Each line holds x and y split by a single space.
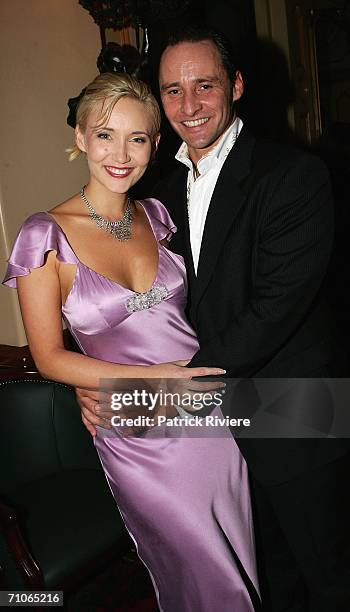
121 153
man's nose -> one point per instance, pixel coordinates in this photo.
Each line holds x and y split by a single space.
190 103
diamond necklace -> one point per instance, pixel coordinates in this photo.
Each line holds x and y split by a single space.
121 229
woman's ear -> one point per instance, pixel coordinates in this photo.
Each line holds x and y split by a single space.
79 139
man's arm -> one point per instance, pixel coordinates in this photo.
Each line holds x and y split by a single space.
293 253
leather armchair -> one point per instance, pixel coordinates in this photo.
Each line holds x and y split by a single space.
59 520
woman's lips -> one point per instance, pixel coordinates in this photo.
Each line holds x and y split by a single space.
118 173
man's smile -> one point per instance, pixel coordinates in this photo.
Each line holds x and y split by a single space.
195 122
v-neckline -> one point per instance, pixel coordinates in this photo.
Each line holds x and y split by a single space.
110 280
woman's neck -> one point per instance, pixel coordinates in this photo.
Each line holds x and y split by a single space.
106 203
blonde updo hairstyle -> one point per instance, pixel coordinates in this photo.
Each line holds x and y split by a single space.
108 88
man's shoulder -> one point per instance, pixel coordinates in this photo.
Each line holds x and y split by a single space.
172 187
270 157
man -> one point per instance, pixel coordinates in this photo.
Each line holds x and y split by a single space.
255 227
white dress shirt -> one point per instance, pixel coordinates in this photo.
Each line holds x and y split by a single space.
200 189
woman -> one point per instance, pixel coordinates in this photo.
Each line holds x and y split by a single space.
122 293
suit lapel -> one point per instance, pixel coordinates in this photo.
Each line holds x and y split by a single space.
181 241
225 204
191 275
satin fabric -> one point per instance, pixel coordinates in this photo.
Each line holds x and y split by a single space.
185 500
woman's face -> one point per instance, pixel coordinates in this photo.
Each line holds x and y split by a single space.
119 150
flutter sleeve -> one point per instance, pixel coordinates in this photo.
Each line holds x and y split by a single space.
38 235
161 221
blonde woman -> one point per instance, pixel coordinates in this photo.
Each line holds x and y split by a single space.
101 260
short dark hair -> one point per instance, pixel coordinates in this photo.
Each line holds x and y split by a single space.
193 34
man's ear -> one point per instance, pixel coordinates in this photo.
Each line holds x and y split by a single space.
155 144
238 87
156 141
79 139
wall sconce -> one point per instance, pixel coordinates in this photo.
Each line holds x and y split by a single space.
116 19
116 16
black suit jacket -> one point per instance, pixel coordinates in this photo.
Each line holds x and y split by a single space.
256 303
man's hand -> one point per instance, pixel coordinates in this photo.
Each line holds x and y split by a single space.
90 410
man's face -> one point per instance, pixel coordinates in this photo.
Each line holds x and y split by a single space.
197 94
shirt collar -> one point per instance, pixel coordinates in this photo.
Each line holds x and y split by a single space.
217 154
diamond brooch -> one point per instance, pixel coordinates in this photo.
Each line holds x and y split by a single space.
142 301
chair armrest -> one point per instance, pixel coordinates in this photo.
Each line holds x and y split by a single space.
18 548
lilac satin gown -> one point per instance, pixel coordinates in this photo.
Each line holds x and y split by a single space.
184 500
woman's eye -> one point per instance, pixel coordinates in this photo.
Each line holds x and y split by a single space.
138 139
103 135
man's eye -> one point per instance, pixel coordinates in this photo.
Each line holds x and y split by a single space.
205 86
173 92
103 135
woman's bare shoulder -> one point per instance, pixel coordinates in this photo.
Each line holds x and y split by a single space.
72 206
69 211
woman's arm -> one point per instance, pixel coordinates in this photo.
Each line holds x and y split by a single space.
40 300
